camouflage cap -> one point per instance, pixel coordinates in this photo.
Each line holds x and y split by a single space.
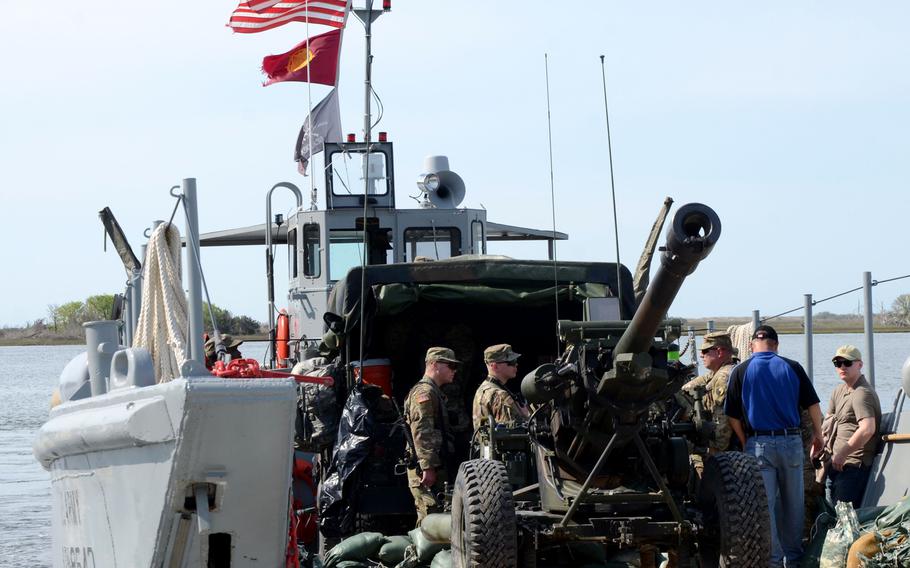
848 352
443 354
499 353
226 338
717 339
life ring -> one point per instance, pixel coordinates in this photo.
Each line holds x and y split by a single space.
282 338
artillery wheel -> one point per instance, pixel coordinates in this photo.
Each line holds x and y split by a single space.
737 523
484 526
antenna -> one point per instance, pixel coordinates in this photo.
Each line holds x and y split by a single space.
546 68
603 73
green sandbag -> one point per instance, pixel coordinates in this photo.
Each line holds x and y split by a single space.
392 552
437 528
443 559
426 550
358 548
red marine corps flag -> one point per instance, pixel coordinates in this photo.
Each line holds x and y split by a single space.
314 60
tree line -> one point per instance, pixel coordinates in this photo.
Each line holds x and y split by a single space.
69 316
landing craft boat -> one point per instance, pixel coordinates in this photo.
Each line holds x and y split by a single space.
206 470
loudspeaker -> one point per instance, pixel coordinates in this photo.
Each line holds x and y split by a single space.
450 192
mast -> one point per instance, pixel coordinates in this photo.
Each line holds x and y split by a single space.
366 16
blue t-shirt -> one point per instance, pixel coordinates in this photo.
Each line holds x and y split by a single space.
768 390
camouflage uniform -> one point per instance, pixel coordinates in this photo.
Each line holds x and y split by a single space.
492 399
715 385
427 418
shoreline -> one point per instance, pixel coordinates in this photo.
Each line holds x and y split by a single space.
783 325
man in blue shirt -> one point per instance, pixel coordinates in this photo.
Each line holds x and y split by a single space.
764 396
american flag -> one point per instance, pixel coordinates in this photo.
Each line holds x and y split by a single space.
260 15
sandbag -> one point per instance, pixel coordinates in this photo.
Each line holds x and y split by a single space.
426 550
443 559
392 552
839 539
357 548
437 528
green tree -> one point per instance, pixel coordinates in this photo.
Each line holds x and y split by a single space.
223 318
98 307
69 314
244 325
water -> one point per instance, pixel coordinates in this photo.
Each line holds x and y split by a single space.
30 374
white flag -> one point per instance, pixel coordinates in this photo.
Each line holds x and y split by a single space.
326 127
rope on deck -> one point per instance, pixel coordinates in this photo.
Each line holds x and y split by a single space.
162 326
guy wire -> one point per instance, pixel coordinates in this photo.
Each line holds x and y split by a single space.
546 67
603 73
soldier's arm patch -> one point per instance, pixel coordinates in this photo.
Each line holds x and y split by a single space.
422 398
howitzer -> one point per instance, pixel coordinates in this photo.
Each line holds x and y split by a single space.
612 452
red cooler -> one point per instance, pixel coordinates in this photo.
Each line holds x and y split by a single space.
376 372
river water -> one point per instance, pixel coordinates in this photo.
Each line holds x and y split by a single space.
31 374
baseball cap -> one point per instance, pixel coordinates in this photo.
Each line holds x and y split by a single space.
500 353
848 352
443 354
717 339
765 332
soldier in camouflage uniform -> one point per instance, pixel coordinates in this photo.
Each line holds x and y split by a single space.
717 353
426 417
492 398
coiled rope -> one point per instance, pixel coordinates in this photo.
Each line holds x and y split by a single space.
163 319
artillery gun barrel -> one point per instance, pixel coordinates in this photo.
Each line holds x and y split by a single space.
692 235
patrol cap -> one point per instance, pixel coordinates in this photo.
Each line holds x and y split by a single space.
226 338
717 339
443 354
765 332
500 353
848 352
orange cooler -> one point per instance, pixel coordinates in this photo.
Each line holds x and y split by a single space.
376 372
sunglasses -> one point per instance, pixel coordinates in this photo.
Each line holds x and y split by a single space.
709 350
842 363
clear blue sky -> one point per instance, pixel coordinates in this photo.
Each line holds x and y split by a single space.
789 118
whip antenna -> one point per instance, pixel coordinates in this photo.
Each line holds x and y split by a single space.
546 68
603 73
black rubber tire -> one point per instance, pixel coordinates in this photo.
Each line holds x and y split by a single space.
734 508
484 526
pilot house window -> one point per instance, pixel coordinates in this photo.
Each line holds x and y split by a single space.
311 251
434 243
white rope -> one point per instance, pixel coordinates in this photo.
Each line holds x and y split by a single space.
163 320
741 336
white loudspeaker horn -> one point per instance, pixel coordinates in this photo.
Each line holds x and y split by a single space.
450 192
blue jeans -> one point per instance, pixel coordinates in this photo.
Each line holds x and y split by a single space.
847 485
781 461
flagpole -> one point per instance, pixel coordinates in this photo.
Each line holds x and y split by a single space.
309 105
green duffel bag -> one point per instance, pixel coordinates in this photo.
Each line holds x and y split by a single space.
426 550
357 548
392 552
437 528
443 559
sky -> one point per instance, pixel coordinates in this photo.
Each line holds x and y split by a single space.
790 119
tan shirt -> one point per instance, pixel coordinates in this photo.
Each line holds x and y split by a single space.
849 406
